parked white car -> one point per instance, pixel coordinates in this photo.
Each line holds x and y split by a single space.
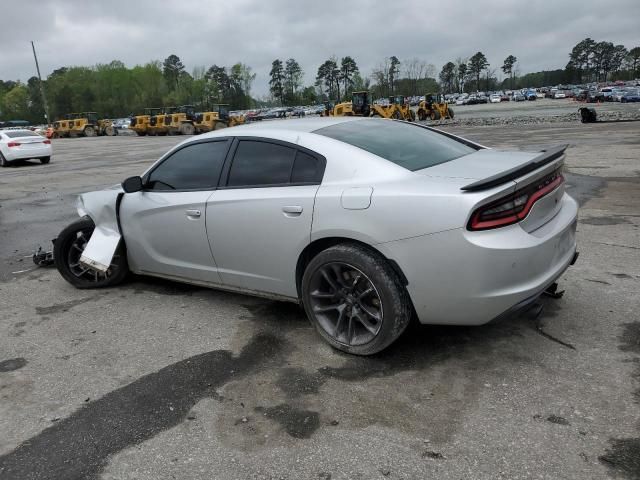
364 222
559 94
23 145
494 98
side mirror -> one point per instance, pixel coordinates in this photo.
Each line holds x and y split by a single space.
132 184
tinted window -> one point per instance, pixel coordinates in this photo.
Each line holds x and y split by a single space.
20 133
306 169
194 167
409 146
260 163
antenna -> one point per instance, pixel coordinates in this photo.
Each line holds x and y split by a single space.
44 99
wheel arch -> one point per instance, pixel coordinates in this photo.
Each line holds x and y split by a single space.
320 244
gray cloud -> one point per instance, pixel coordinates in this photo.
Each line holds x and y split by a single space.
201 33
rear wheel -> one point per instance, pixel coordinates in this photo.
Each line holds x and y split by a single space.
355 299
68 249
187 129
110 131
89 132
3 161
435 115
141 134
44 160
450 110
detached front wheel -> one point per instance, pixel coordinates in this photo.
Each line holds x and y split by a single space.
355 299
68 249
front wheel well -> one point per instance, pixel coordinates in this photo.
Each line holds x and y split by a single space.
317 246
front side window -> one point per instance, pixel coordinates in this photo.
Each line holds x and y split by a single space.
194 167
261 163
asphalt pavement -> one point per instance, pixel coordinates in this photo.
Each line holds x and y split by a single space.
157 380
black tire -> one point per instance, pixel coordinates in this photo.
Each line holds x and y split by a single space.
89 131
67 250
422 115
450 110
187 129
435 115
141 134
362 268
44 160
3 161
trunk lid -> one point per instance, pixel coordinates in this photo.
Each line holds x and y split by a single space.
487 169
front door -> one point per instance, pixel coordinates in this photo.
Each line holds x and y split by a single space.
164 224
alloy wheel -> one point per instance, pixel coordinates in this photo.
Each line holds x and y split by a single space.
345 303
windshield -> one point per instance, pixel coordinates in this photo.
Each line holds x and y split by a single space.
409 146
20 133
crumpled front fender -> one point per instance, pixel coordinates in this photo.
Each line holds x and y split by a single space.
102 207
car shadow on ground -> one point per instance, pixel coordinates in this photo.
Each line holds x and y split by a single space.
81 444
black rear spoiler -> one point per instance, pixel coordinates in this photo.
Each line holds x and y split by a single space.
546 156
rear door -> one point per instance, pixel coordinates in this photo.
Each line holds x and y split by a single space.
164 224
259 220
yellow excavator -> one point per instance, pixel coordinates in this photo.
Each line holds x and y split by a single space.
434 107
140 123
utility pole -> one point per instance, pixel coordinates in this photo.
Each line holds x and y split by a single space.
44 99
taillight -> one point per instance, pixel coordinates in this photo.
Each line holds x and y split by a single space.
515 207
13 144
48 142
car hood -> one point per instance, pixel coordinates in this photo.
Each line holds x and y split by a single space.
478 165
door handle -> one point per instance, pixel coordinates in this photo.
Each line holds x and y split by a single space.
193 213
292 210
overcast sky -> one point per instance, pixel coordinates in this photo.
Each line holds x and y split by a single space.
539 33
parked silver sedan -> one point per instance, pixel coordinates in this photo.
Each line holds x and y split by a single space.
365 222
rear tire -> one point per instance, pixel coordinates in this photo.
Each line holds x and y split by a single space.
187 129
435 115
67 250
355 299
450 110
45 160
3 161
89 132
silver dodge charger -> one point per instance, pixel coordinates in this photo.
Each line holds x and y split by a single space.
365 222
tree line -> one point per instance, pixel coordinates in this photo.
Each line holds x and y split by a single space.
589 61
113 90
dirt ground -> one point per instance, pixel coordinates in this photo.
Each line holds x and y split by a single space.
157 380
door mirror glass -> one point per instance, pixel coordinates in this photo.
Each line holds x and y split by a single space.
132 184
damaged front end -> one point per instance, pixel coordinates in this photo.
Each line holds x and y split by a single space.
102 207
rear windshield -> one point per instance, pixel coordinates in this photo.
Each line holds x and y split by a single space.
409 146
20 133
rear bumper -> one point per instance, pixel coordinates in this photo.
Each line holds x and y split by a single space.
25 154
459 277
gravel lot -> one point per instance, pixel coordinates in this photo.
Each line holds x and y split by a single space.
156 380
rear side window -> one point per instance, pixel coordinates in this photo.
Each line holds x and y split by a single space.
194 167
306 169
409 146
261 163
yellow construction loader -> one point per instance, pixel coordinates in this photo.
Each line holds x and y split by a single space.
216 118
140 123
159 123
85 124
434 107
